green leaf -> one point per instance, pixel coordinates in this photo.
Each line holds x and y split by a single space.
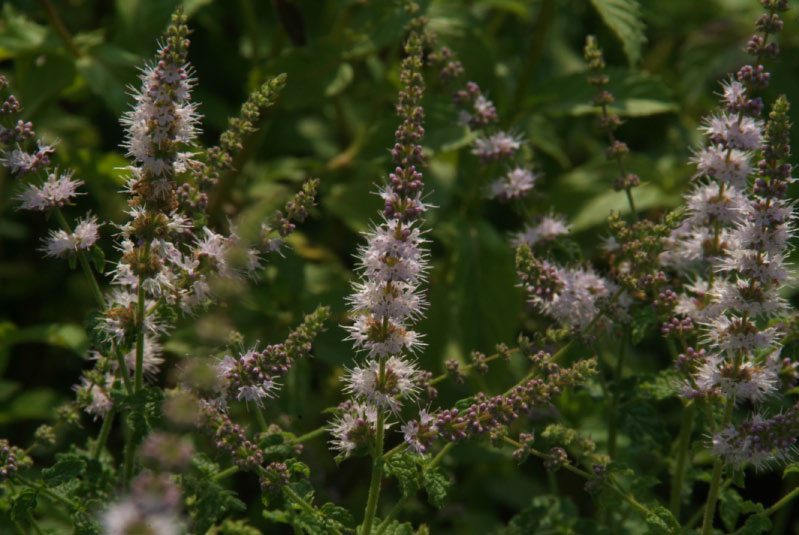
107 70
98 259
483 275
336 514
547 514
643 320
207 501
18 33
661 522
755 525
436 485
397 528
730 508
23 505
403 467
624 18
663 385
68 466
343 78
791 469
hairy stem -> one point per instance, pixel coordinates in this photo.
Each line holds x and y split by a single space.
715 480
377 466
614 416
105 430
683 447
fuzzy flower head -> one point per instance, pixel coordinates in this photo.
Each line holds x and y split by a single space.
752 380
497 146
706 204
56 191
514 185
354 428
547 230
731 166
393 253
745 134
418 434
60 244
400 381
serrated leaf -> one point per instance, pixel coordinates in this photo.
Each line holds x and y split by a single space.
67 467
730 508
397 528
208 501
404 468
751 507
643 320
624 18
660 521
337 514
23 505
791 469
436 485
755 525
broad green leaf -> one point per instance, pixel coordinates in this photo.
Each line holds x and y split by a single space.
661 522
436 485
403 467
624 18
67 467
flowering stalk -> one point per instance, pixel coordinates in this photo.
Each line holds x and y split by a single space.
609 123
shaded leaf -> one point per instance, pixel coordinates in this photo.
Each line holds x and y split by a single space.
624 18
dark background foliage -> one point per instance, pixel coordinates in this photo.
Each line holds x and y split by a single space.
336 122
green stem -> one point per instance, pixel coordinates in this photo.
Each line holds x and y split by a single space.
684 444
715 480
377 466
259 415
130 451
310 435
60 28
63 500
139 373
105 430
226 472
123 370
612 424
782 501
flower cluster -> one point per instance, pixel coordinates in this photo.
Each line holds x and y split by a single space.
490 414
253 376
393 264
733 243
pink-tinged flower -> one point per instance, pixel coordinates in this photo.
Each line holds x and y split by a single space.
495 147
400 381
354 428
745 134
59 244
730 166
418 434
547 230
514 185
56 191
706 205
21 163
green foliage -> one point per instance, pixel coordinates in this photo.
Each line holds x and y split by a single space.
207 500
404 467
435 484
624 18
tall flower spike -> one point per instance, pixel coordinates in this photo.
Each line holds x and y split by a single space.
163 122
392 265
